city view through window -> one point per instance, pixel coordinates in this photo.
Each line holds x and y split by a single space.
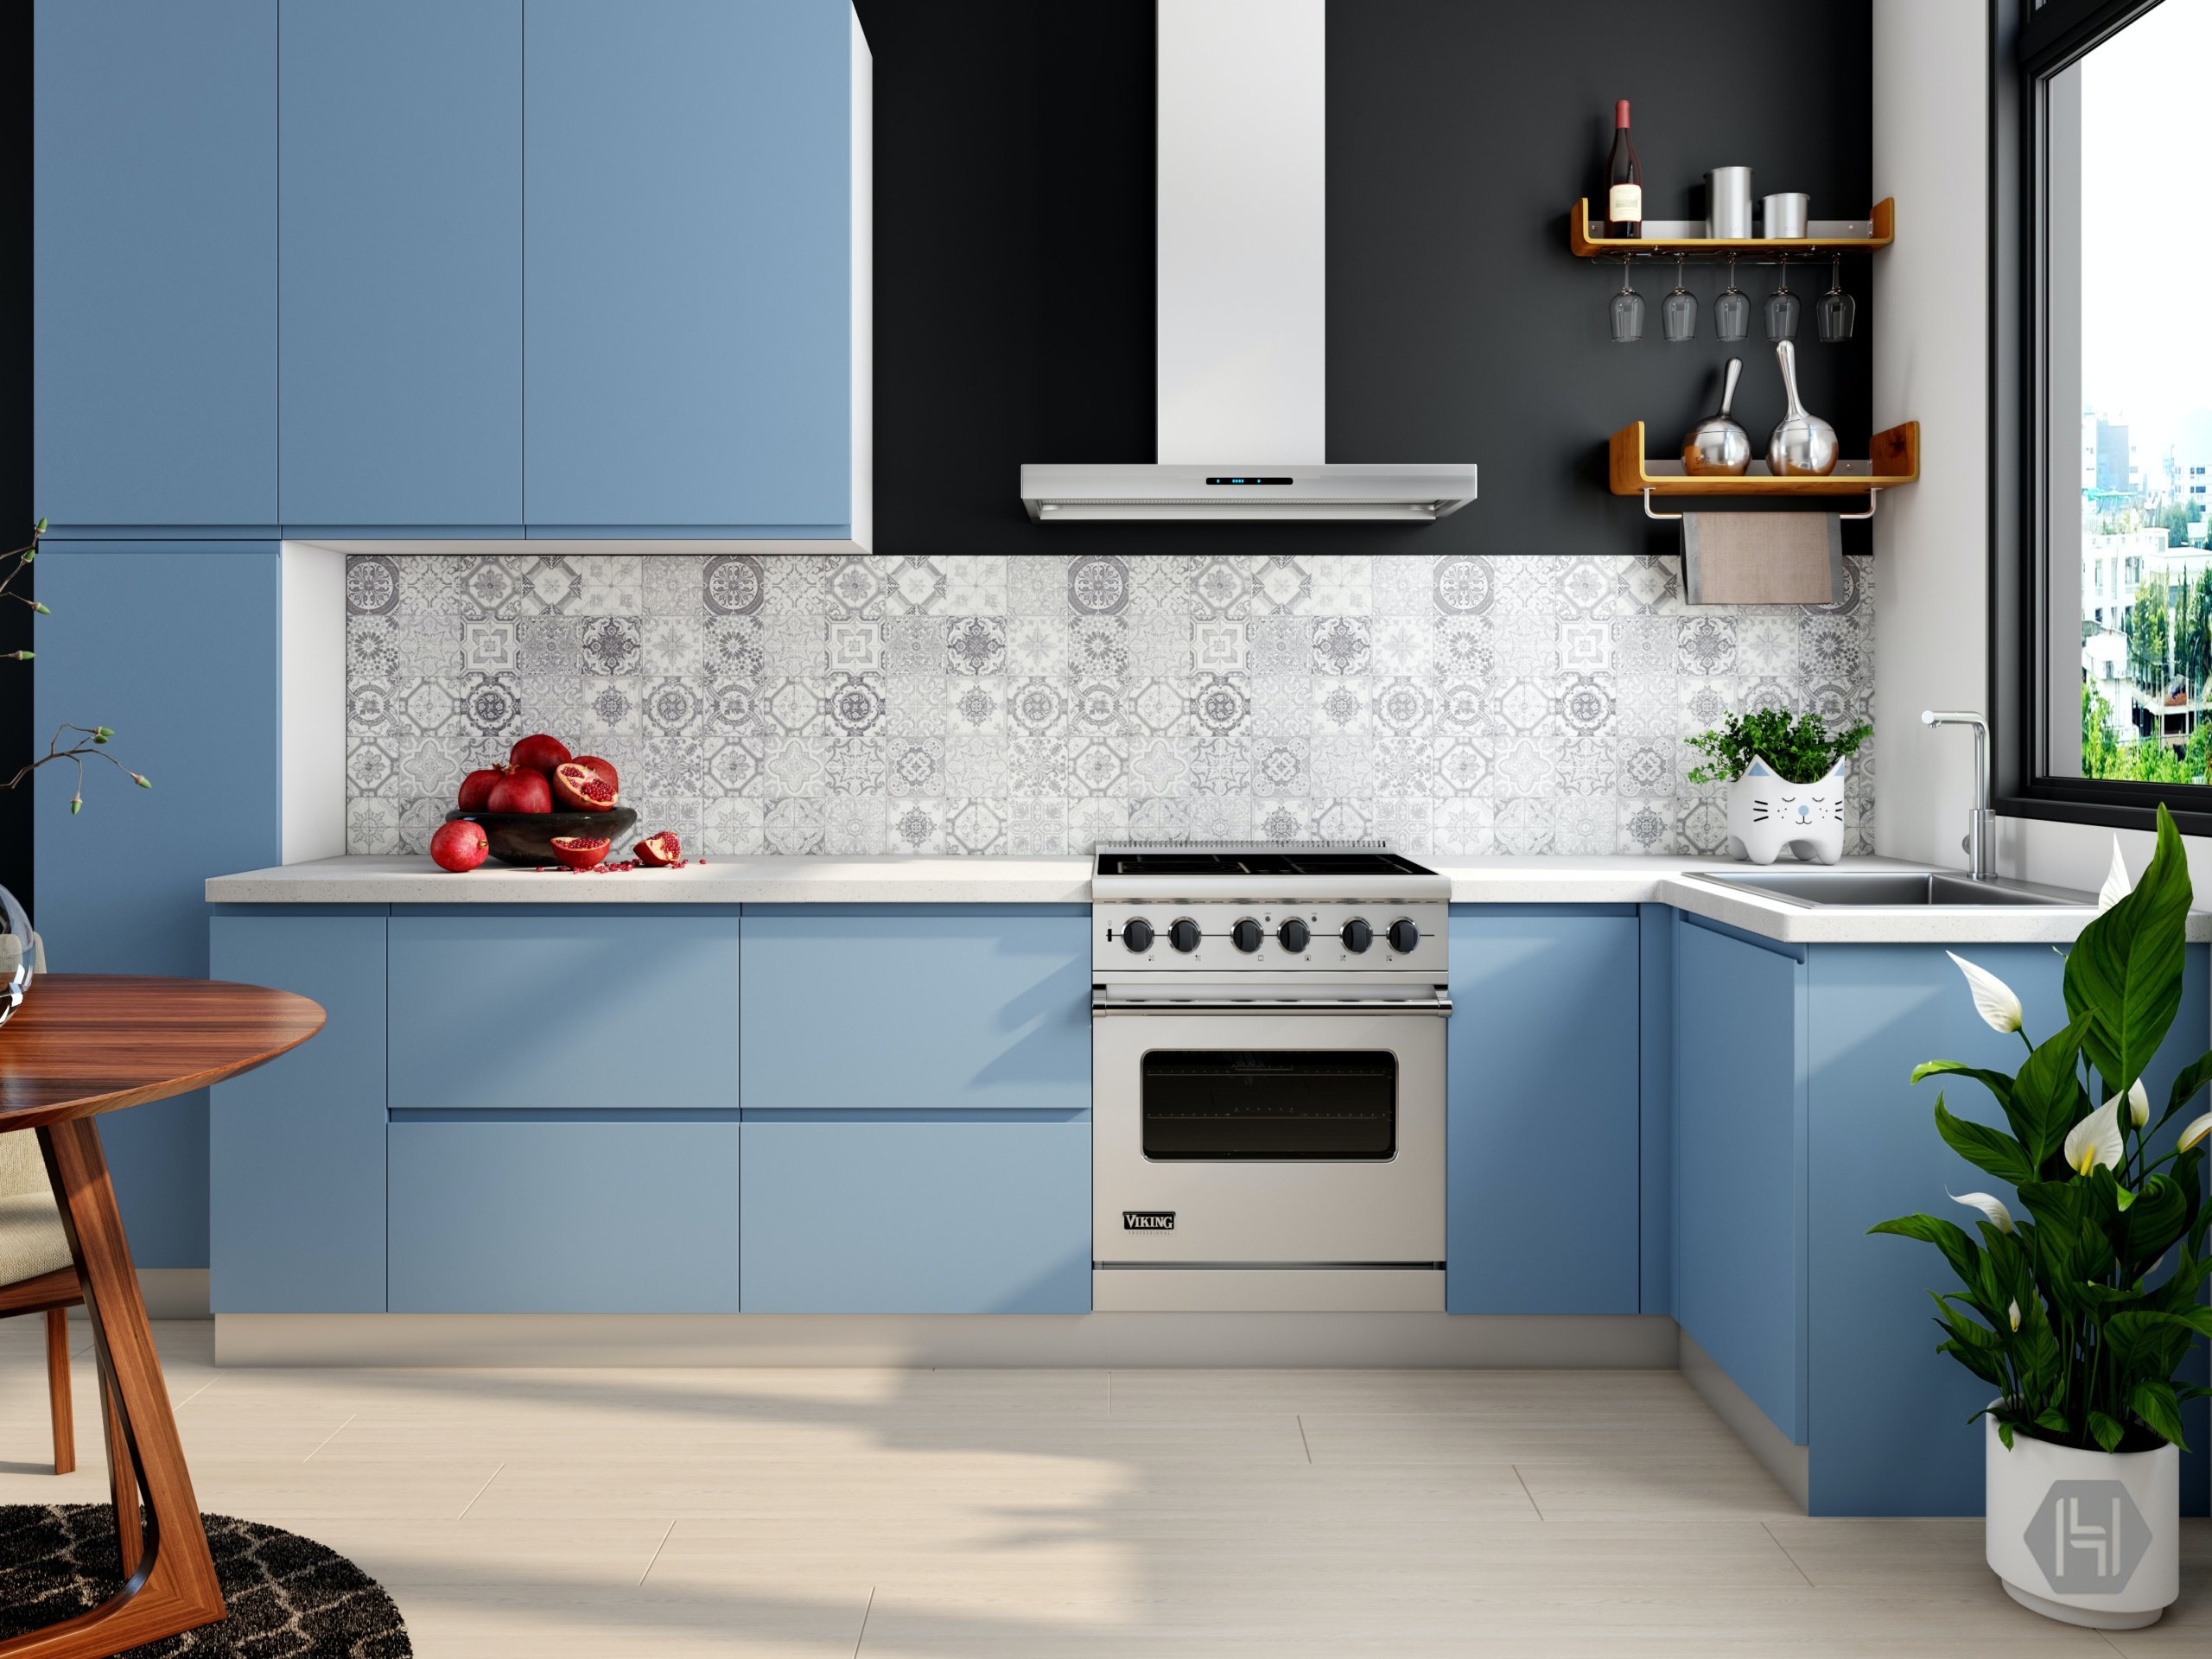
2123 176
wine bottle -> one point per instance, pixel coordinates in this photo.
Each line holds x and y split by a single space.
1623 181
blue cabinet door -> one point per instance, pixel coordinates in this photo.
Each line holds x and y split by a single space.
1740 1110
915 1213
175 646
296 1148
1543 1054
155 284
687 251
507 1215
400 254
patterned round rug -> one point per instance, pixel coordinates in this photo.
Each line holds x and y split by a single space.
289 1597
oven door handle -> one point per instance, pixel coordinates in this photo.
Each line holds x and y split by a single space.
1440 1004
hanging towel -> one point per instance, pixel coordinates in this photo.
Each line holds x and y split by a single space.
1762 558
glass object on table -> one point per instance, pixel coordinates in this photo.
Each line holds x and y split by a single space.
1731 310
1838 312
1678 311
1627 312
1781 308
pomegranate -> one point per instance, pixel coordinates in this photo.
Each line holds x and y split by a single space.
604 768
521 791
582 790
580 852
539 753
476 788
459 845
662 849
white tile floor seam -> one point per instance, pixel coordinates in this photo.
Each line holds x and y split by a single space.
1052 1515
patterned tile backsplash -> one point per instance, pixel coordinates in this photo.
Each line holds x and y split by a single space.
1459 704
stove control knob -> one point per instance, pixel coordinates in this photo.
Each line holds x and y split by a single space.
1404 935
1357 935
1295 936
1183 934
1246 936
1137 933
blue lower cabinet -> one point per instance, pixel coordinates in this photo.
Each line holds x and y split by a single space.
885 1215
566 1008
296 1148
1544 1052
500 1215
1740 1105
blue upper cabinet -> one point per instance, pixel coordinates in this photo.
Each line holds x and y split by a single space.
1544 1040
694 296
400 260
155 292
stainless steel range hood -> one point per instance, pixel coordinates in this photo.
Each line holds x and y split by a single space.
1242 212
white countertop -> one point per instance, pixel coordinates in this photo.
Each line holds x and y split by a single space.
1598 878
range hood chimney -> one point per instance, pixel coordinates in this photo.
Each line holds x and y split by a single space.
1242 207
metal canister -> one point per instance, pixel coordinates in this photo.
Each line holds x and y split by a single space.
1728 203
1788 215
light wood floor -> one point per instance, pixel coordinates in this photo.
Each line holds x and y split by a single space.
939 1515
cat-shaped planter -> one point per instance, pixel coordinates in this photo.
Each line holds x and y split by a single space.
1767 816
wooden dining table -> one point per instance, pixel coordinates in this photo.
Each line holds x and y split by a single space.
81 1045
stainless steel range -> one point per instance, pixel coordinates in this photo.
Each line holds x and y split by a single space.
1268 1041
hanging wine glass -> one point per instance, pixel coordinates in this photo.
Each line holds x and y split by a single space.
1627 312
1678 312
1839 311
1781 308
1732 309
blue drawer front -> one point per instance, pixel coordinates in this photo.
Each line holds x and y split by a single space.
917 1218
296 1149
945 1009
1544 1032
588 1217
564 1012
401 262
155 220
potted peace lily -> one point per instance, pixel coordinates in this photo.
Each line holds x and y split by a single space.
2063 1310
1785 777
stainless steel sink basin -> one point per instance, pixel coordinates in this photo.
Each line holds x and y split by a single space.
1812 888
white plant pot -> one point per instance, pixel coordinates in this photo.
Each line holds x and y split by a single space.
1767 816
2089 1537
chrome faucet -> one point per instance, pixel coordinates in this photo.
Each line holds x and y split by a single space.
1980 842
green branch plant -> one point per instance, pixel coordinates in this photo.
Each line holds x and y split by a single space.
2061 1311
76 744
1798 747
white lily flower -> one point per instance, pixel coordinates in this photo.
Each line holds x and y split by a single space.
1992 1208
2095 1140
2013 1312
2117 887
2138 1103
2198 1128
1993 997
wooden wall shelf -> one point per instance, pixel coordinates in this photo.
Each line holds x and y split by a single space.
1896 461
1664 239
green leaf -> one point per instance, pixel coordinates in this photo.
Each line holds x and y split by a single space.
2125 967
2109 1432
2155 1220
2191 1077
1984 1147
2046 1099
2004 1433
2156 1404
1946 1236
1996 1082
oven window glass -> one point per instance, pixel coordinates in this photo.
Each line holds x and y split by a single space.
1271 1103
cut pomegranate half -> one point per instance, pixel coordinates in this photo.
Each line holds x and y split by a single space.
581 790
580 852
663 850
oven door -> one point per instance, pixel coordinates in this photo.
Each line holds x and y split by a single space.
1269 1135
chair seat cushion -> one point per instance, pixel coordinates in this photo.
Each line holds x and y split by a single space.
31 1239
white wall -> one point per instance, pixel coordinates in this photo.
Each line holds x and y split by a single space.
1927 306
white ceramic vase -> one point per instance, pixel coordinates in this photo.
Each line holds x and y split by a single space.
2089 1537
1767 816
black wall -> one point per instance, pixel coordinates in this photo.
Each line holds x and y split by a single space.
1014 169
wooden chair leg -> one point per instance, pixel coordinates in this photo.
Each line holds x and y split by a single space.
174 1588
57 1387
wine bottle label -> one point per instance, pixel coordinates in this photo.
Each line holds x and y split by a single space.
1625 204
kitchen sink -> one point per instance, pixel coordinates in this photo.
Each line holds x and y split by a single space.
1865 887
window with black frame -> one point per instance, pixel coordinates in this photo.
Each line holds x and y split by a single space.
2117 473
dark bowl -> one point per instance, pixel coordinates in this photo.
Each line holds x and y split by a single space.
526 838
